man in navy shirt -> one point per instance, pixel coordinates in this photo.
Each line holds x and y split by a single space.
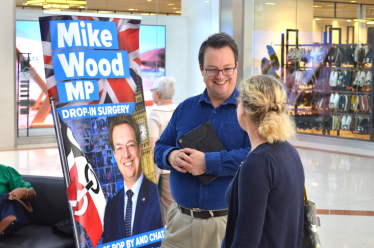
198 218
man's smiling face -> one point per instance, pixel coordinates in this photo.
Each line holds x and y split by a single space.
219 87
127 157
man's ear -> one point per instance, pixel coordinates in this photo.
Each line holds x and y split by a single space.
140 149
201 69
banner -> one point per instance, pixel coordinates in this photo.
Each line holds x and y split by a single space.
92 69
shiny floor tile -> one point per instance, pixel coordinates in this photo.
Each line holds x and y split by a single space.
333 182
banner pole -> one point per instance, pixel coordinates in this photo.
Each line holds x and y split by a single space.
65 167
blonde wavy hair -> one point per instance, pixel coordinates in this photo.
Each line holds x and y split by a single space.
265 101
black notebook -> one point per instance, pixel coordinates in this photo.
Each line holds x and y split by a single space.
204 139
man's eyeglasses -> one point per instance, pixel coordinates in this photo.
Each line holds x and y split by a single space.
153 90
214 72
131 146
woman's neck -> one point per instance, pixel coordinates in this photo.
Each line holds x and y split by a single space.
254 137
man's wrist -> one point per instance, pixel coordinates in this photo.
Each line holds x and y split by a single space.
168 156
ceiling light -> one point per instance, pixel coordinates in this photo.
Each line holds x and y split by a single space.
178 12
131 9
171 4
149 0
207 1
359 20
76 2
317 19
35 1
47 6
372 22
270 3
349 20
174 8
353 1
316 6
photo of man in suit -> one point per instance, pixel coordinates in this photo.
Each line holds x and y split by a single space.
136 208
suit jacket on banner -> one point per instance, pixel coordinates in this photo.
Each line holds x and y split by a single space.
147 214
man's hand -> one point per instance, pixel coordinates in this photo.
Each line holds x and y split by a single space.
180 161
198 158
18 193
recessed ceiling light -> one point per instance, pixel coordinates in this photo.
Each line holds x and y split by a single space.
178 12
353 1
317 19
316 6
171 4
207 1
370 22
149 0
174 8
270 3
349 20
131 9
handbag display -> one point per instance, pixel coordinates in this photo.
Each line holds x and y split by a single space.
295 54
310 234
13 209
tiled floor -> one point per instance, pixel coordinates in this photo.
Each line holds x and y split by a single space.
333 182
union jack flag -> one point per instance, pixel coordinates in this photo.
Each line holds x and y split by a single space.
111 90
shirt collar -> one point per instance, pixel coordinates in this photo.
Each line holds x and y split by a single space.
231 100
136 187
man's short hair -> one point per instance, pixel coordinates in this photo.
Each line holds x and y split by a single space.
217 41
123 119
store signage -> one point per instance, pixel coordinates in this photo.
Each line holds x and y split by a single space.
369 12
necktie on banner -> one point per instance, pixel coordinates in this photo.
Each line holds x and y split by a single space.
84 191
128 217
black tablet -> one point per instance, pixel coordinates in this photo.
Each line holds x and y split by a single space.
204 139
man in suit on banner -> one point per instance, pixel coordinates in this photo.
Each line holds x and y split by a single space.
136 208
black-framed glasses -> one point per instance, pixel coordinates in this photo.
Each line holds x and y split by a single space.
131 145
214 72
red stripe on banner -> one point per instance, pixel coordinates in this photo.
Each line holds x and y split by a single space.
129 40
47 60
116 20
91 221
53 92
137 60
122 89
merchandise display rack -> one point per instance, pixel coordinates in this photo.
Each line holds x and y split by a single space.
324 113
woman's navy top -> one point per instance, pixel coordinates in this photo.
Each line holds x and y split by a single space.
266 199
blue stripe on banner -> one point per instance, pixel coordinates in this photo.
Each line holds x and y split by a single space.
137 240
99 110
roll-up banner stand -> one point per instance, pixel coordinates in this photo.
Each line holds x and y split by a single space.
92 68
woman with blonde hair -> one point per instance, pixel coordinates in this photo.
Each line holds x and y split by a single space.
266 197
